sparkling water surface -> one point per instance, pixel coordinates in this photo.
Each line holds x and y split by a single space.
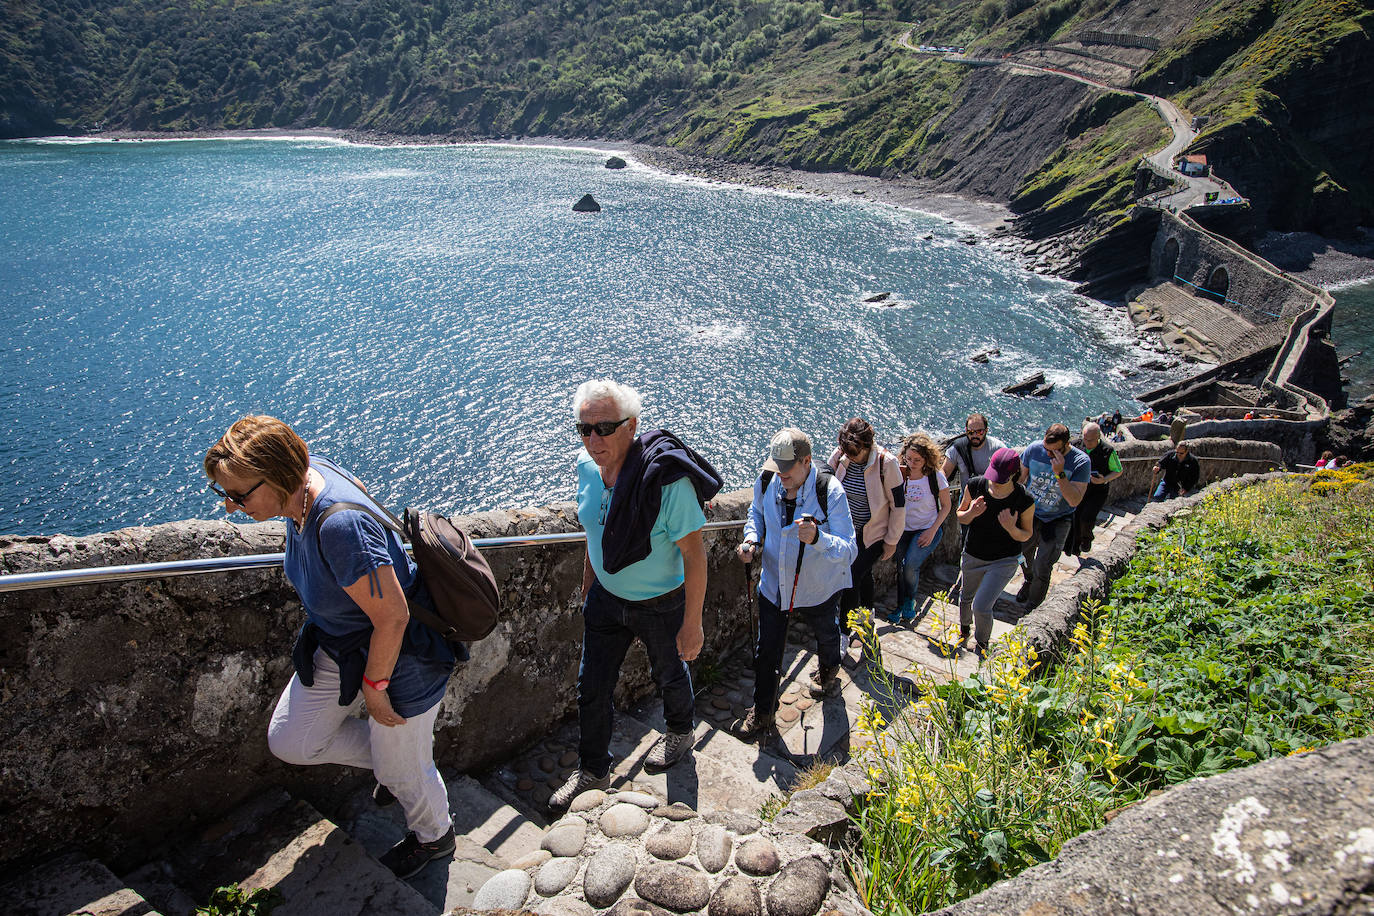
423 314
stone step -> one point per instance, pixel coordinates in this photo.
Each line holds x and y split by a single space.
277 841
722 774
158 885
69 885
490 835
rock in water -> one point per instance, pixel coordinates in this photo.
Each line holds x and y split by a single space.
615 162
1026 385
587 204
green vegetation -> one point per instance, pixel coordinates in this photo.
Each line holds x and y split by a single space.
232 900
1238 633
817 84
1093 175
1270 75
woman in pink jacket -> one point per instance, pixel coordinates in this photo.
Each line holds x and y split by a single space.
876 492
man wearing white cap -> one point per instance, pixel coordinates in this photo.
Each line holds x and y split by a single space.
799 524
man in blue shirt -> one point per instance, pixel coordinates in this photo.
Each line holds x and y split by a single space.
807 546
1056 475
644 573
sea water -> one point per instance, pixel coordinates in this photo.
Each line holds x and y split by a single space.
422 315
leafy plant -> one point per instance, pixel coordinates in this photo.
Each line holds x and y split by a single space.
232 900
1236 634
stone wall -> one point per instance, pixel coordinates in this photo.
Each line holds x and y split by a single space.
1289 835
1261 293
132 700
1219 458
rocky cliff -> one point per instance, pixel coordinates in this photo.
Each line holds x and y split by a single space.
1283 85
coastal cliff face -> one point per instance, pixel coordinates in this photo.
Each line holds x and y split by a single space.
1283 82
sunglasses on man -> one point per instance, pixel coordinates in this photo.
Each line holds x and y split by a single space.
237 499
602 429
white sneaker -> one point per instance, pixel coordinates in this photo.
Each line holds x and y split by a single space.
668 750
577 783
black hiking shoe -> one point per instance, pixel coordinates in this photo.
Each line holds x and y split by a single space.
579 782
409 857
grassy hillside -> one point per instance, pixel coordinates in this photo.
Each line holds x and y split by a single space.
821 85
1236 634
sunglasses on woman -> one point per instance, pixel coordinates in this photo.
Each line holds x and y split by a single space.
237 499
602 429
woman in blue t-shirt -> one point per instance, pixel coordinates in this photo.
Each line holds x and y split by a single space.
359 646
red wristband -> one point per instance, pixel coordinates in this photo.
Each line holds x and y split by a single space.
383 684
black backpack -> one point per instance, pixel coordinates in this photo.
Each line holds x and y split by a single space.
466 600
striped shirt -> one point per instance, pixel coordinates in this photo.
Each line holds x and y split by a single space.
856 492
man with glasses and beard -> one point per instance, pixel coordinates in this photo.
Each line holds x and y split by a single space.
1056 476
970 453
640 499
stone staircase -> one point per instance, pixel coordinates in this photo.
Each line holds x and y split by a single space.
320 868
329 868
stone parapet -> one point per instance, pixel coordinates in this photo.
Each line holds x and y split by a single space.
134 701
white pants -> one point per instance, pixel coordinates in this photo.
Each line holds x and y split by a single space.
310 727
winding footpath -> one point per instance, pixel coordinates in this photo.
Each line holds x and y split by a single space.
1190 190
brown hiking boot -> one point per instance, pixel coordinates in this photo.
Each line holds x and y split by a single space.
826 683
755 726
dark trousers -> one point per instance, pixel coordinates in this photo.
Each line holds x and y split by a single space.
1041 552
860 592
609 625
1085 520
773 640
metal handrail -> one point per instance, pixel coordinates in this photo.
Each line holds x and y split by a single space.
62 578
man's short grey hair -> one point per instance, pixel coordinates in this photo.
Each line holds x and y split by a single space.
1092 426
603 389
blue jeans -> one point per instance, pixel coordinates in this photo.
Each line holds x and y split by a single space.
609 625
1164 491
824 622
913 557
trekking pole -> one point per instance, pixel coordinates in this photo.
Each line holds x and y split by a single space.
749 588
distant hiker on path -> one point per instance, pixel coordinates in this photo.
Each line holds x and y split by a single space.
1180 472
1056 476
799 525
1106 467
969 454
359 647
644 573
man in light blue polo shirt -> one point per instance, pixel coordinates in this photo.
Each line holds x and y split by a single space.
644 573
1056 475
